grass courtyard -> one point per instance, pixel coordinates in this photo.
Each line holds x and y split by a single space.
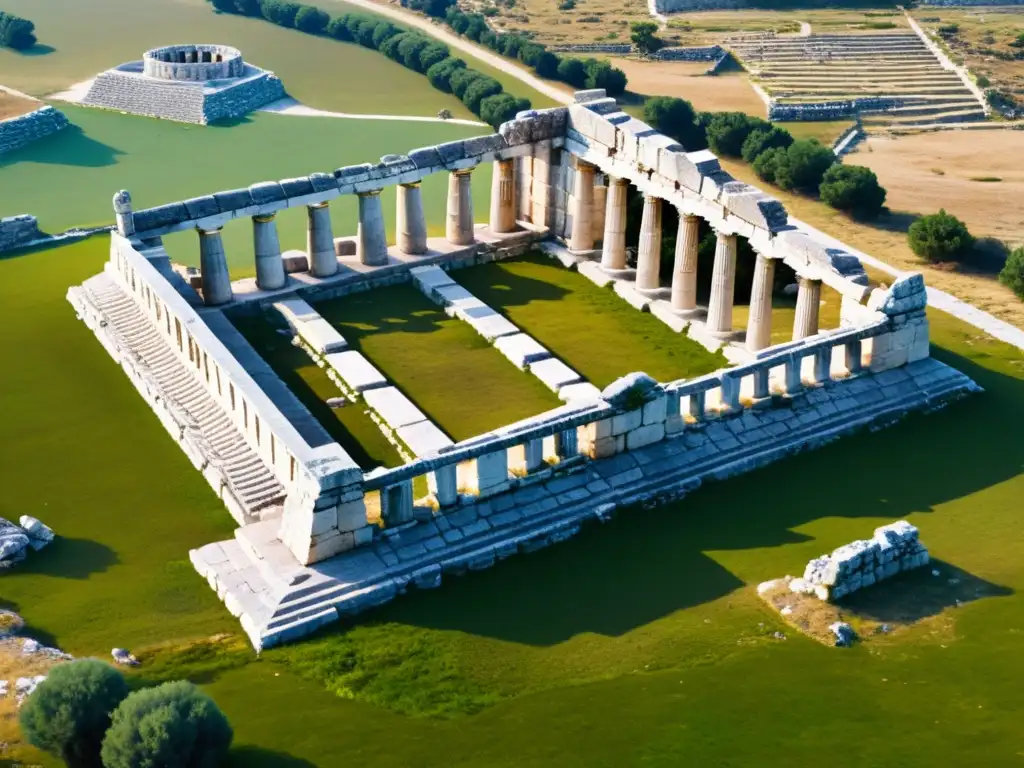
640 642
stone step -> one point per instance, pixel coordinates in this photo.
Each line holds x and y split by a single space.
974 113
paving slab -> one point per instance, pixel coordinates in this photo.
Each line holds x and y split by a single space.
554 374
396 409
423 438
356 371
582 391
429 279
311 326
521 349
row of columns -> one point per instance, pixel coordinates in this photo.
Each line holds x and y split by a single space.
683 297
371 235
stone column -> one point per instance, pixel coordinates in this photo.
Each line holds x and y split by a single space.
503 197
542 211
371 238
213 268
582 238
808 302
648 256
600 208
684 274
320 241
269 266
459 225
723 285
613 249
396 504
411 224
759 324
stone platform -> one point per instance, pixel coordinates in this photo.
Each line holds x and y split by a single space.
277 599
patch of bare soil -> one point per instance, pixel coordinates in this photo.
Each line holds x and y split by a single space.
924 598
13 106
727 92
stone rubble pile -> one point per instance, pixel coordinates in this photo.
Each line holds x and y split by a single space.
893 549
17 540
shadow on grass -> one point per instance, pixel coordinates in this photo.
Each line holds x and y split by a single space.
30 630
71 146
650 563
920 594
70 559
249 756
39 49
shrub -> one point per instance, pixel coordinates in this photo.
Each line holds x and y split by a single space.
224 6
940 237
495 110
547 65
767 163
572 71
366 29
440 73
383 31
435 8
280 12
409 50
983 82
510 45
567 5
853 189
478 90
354 23
249 7
1019 41
529 53
70 711
311 20
390 46
644 35
338 28
802 165
760 139
475 28
675 118
601 74
949 29
462 79
174 724
727 131
1012 273
431 55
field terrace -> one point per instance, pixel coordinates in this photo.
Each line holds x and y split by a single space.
890 79
319 536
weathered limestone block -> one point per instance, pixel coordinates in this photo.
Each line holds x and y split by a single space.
753 206
521 349
629 135
395 408
653 147
688 168
554 373
645 435
311 327
356 371
631 390
423 438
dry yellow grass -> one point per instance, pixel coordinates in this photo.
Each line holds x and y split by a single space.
588 21
705 27
12 106
887 240
730 92
15 664
928 171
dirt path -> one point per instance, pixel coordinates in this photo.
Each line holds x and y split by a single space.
295 108
454 41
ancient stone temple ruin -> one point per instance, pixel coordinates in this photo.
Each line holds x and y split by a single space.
186 83
318 537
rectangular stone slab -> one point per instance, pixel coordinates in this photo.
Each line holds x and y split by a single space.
396 409
356 371
521 349
487 322
429 279
310 326
554 373
423 438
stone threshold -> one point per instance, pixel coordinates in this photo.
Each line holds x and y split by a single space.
278 600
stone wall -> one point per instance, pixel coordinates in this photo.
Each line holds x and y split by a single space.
956 3
614 48
679 53
829 110
18 132
16 231
182 102
679 6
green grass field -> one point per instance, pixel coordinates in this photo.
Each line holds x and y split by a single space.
430 356
69 179
640 642
590 328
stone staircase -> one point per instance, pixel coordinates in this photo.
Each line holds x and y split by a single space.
245 475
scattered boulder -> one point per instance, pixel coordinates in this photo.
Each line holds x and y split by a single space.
844 634
30 647
124 658
39 535
13 543
24 687
630 391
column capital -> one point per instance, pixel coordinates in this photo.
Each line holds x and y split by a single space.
410 184
207 231
321 204
369 193
264 218
463 171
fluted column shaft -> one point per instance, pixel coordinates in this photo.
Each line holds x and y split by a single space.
684 273
759 324
808 302
371 237
213 268
411 224
723 286
269 267
599 210
320 241
648 255
582 237
541 210
613 249
503 197
459 224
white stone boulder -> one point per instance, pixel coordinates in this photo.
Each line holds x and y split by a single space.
843 632
124 657
13 544
25 686
39 535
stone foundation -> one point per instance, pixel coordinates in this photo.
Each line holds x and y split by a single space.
16 231
18 132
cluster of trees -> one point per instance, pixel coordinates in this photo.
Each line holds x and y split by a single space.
797 165
577 72
16 32
84 714
482 94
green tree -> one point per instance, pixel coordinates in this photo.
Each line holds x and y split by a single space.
853 189
383 31
248 7
440 73
760 139
940 237
390 46
311 20
572 71
435 8
280 12
644 35
462 79
601 74
431 55
767 163
174 725
802 165
728 130
478 90
547 65
495 110
224 6
70 711
1012 273
675 118
510 45
338 28
409 50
